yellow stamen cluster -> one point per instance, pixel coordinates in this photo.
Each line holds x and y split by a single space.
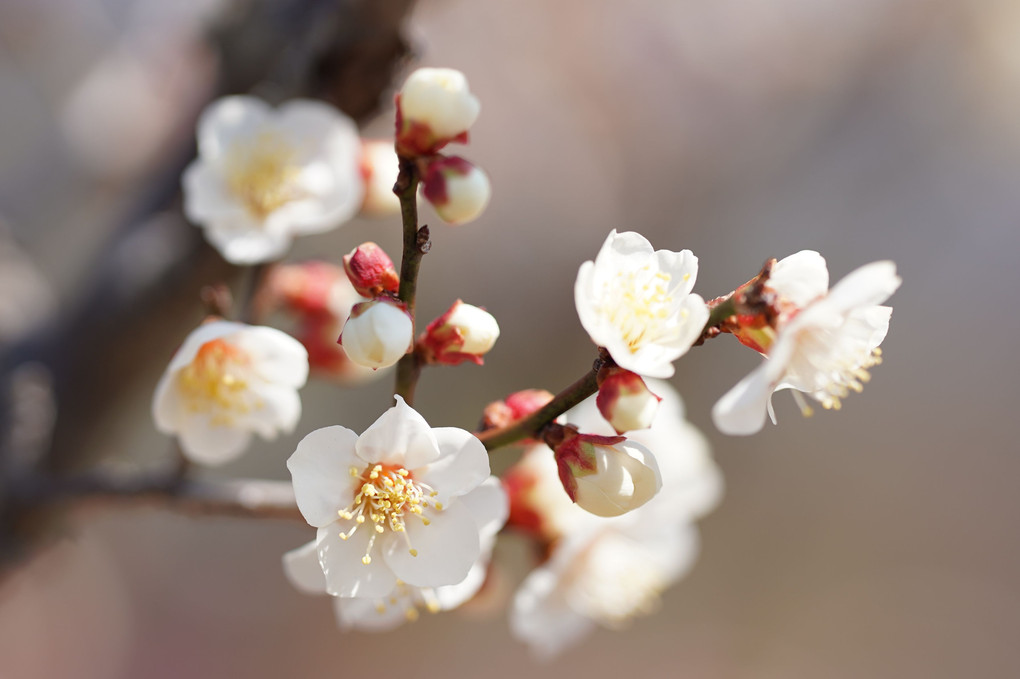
388 496
852 378
214 381
639 305
263 175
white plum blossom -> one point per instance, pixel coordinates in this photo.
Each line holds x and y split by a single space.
227 381
388 504
603 572
823 345
607 475
637 303
488 506
377 333
380 166
265 175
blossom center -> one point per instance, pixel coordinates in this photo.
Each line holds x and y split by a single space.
832 365
263 175
411 599
388 496
617 584
215 380
641 305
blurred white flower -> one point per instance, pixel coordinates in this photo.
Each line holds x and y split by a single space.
823 349
488 506
227 381
380 167
389 505
637 303
263 176
606 571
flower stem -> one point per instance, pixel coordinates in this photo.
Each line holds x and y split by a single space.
416 244
532 425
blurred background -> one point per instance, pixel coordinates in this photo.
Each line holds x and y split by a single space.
880 541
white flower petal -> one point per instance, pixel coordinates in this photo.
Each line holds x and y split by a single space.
211 442
228 120
342 562
400 436
369 614
869 285
279 409
277 357
800 278
302 568
741 411
541 618
320 467
463 463
241 240
446 548
488 505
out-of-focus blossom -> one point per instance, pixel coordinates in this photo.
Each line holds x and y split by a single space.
263 176
379 167
389 504
463 333
637 303
488 506
624 400
607 571
371 270
377 334
227 381
823 348
434 107
458 189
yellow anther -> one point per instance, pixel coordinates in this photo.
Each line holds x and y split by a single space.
414 552
366 559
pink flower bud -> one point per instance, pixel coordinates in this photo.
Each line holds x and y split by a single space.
514 407
379 168
463 333
371 270
624 400
434 108
377 334
457 189
606 475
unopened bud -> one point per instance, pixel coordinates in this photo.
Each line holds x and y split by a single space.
371 270
606 475
379 167
463 333
434 107
625 400
457 189
377 334
514 407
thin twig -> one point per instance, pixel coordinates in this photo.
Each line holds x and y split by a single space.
416 244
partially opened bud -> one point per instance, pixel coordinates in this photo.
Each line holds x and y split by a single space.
606 475
377 334
514 407
371 270
379 167
434 107
457 189
624 400
463 333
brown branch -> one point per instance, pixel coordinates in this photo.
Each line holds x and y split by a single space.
416 245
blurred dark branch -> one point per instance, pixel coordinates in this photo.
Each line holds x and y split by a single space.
144 292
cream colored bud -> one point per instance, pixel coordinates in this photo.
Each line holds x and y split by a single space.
377 334
439 98
477 326
625 478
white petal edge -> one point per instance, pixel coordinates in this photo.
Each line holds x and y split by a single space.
320 468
